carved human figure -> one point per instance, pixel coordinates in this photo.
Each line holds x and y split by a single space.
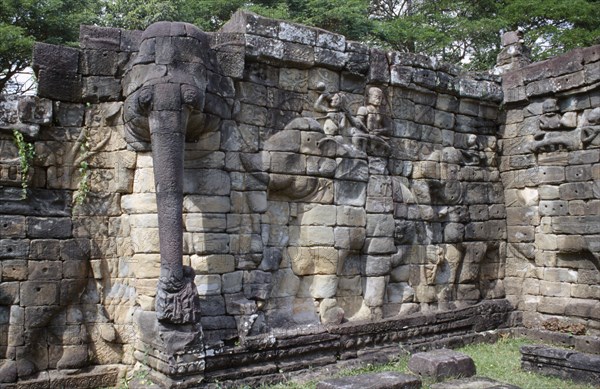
371 128
371 116
473 155
337 120
590 134
334 120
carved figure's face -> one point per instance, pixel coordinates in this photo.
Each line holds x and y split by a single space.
336 100
375 97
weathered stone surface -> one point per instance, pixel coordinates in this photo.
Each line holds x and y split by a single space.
473 382
566 364
442 364
372 381
284 224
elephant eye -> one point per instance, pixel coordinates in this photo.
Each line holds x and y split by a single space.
145 99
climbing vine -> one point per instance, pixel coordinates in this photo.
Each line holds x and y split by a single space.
26 155
83 188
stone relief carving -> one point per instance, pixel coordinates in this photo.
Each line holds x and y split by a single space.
563 132
590 133
355 147
165 89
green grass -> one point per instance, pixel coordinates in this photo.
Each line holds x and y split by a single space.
500 361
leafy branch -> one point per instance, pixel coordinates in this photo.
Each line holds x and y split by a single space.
83 187
85 152
26 155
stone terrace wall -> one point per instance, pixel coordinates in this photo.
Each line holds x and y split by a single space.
67 291
294 215
550 168
414 224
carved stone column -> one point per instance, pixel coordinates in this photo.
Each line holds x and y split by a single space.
164 87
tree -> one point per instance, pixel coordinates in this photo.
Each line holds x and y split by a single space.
23 22
553 27
468 32
137 15
347 17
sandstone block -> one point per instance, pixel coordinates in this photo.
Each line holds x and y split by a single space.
45 270
379 246
351 193
208 284
400 293
349 238
576 190
319 215
313 260
383 380
376 265
213 264
232 282
442 364
209 243
139 203
209 222
374 291
39 293
318 286
351 216
38 227
349 286
14 270
311 236
380 225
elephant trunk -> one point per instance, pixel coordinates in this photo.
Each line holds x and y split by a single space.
176 298
167 129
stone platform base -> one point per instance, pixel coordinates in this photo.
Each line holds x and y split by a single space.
473 383
89 378
566 364
385 380
272 358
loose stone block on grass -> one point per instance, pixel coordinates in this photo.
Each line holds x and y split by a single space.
385 380
566 364
442 364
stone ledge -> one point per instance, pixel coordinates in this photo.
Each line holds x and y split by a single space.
95 377
566 364
473 383
384 380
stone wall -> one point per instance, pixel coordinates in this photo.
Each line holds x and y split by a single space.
67 290
326 183
550 168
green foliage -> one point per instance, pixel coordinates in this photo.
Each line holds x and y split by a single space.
209 15
455 31
502 361
137 15
346 17
468 32
23 22
26 155
552 27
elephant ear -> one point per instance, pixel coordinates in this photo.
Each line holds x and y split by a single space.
137 128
